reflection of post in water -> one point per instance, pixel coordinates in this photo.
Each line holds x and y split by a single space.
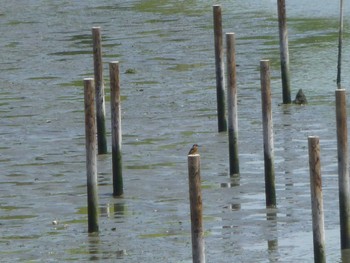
272 241
234 181
94 246
117 210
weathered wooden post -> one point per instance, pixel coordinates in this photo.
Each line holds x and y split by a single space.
270 189
232 104
194 177
343 168
340 43
99 91
316 200
91 162
284 53
219 66
116 128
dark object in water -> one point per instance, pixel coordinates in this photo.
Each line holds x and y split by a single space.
300 98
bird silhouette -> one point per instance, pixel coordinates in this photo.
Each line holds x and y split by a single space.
194 150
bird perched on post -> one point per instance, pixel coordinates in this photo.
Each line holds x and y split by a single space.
194 150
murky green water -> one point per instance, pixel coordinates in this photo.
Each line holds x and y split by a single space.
168 104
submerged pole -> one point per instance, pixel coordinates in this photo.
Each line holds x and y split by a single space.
232 104
284 52
197 232
219 66
316 200
343 168
99 91
116 128
340 43
270 189
91 162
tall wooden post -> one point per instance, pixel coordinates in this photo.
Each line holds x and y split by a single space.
116 128
232 104
194 180
91 162
219 66
316 200
99 91
270 189
343 168
284 52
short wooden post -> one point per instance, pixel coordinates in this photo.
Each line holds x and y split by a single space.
343 168
198 250
284 52
219 66
232 104
316 200
270 189
99 91
116 128
91 162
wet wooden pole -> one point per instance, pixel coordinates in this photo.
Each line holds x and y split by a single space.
232 104
284 52
91 162
343 168
270 189
340 43
116 128
316 200
99 91
194 180
219 66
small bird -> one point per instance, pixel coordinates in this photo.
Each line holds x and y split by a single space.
194 150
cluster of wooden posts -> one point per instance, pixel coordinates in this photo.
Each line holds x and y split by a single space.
94 95
313 141
95 123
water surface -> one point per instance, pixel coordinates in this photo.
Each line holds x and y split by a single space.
168 104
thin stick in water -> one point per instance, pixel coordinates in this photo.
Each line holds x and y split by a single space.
340 43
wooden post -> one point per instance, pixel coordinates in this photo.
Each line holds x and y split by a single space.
232 104
316 200
340 44
343 168
116 128
219 65
270 189
284 53
91 162
99 91
194 177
